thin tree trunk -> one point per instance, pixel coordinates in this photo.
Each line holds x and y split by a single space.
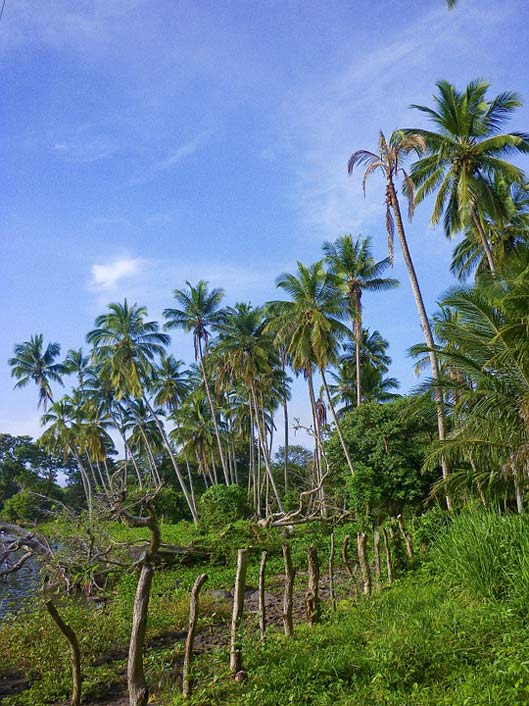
238 607
425 325
364 565
337 423
75 653
262 602
290 573
167 444
484 241
265 455
405 536
213 414
317 453
285 418
193 616
312 598
357 304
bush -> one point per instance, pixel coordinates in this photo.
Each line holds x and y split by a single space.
222 504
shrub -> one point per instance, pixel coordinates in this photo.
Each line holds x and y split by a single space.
222 504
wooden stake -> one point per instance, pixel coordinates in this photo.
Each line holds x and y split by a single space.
312 599
238 608
362 560
288 594
378 573
406 537
331 574
262 604
389 563
193 615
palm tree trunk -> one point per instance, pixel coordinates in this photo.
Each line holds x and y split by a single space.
484 241
425 325
336 423
213 414
262 443
317 454
358 344
167 444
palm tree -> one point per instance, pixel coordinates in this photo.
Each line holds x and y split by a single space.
353 264
76 363
198 313
388 160
310 325
32 363
170 384
375 364
463 159
508 233
246 355
126 347
487 342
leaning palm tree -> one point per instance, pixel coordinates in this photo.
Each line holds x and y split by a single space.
464 157
357 271
310 325
31 363
199 312
388 160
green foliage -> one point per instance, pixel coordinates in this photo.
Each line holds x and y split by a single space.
387 447
487 555
222 504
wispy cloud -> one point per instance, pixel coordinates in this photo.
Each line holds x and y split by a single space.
107 276
181 152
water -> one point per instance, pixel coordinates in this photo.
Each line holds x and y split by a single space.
17 589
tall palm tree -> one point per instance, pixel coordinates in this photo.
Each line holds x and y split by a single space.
464 157
170 383
310 325
127 346
352 262
33 363
388 160
76 362
198 313
247 356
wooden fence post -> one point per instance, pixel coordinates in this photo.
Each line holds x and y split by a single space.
331 574
312 599
376 547
288 594
362 560
389 563
238 607
193 616
262 604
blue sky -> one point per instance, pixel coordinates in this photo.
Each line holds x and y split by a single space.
149 142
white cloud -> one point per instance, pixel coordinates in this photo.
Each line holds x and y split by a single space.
108 276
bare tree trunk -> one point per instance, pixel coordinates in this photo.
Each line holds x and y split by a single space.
75 654
357 306
262 603
137 685
288 624
193 616
376 547
389 563
364 565
518 491
317 451
331 574
406 536
425 325
312 599
238 607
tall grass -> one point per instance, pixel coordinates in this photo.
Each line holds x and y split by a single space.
487 555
